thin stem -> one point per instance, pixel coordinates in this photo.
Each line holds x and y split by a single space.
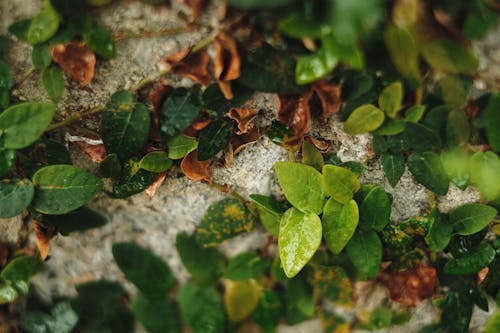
75 117
25 77
149 79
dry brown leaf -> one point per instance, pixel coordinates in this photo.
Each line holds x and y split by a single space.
243 117
226 89
43 237
481 275
191 65
153 188
294 113
4 254
228 155
196 6
157 97
76 59
329 95
238 142
200 123
321 145
410 287
96 153
194 169
227 63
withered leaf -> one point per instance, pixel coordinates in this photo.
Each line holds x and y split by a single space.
227 63
153 188
329 95
194 169
76 59
238 142
294 113
157 97
43 237
243 117
191 65
200 123
321 145
410 287
96 153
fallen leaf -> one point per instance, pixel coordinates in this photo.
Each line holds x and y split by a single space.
43 237
481 275
194 130
191 65
153 188
238 142
243 117
227 62
4 254
294 113
321 145
196 6
157 97
96 153
410 287
194 169
329 95
76 59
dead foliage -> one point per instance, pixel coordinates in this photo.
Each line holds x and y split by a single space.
96 153
153 188
43 237
294 113
193 65
329 95
76 59
194 169
227 63
244 118
200 123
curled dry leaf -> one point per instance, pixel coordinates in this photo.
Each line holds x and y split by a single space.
227 63
481 275
96 153
200 123
321 145
410 287
294 113
238 142
243 117
43 237
191 65
153 188
329 95
194 169
76 59
4 254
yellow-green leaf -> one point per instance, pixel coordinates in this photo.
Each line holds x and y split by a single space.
241 298
339 223
364 119
391 98
339 183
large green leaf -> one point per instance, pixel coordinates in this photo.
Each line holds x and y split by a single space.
402 50
340 183
157 316
492 115
472 262
181 145
299 300
246 266
393 166
15 196
22 124
391 98
299 238
223 220
364 119
144 269
81 219
375 210
241 298
124 125
214 138
427 169
179 110
155 161
301 185
485 173
365 252
449 55
420 138
339 223
53 83
215 102
43 26
471 218
312 67
202 308
63 188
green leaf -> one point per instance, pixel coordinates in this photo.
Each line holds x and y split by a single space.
312 67
155 161
110 167
43 26
63 188
81 219
415 113
472 262
391 127
440 232
179 110
63 319
202 308
214 138
492 117
246 266
448 55
393 166
53 83
339 183
157 316
420 138
6 79
296 25
143 268
180 145
364 119
402 50
375 210
493 324
299 300
132 180
40 56
241 298
100 41
333 283
21 268
365 252
22 124
269 220
391 98
339 223
204 264
471 218
223 220
427 169
15 196
20 28
268 312
299 238
257 4
456 165
124 125
301 185
485 173
312 156
270 204
7 161
214 100
8 293
457 128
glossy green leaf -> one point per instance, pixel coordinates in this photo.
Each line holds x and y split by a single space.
202 308
257 4
471 218
7 160
180 145
364 119
78 220
124 125
268 312
457 128
110 167
40 56
178 111
456 165
492 116
223 220
204 264
339 183
485 173
132 180
449 55
214 99
297 25
427 169
214 138
415 113
15 196
312 156
63 188
241 298
393 166
391 98
22 124
339 223
144 269
157 316
440 232
315 66
21 268
333 283
155 161
100 41
299 238
365 252
375 210
402 50
43 26
246 266
301 185
53 83
472 262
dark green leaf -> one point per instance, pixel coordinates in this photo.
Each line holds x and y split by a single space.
15 196
4 98
110 167
132 180
364 119
181 145
257 4
7 160
299 300
43 26
436 119
144 269
365 252
155 161
479 21
214 138
63 188
40 56
471 218
393 166
440 232
179 110
391 127
62 320
421 138
375 210
312 156
21 268
268 312
269 203
215 101
472 262
101 42
457 312
20 28
53 83
493 122
157 316
427 169
339 223
246 266
78 220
